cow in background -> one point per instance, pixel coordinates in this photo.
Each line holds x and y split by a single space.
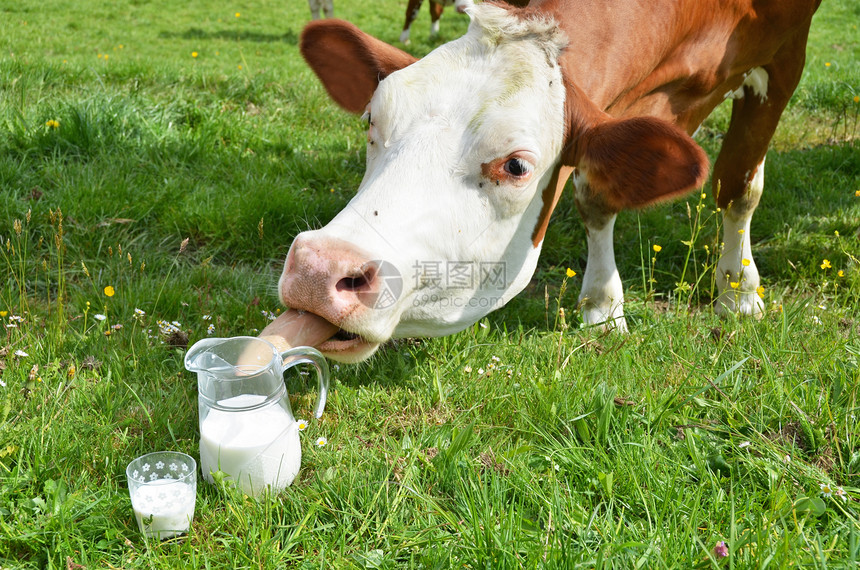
436 8
326 6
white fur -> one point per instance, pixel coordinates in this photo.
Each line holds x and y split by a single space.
601 298
744 298
756 79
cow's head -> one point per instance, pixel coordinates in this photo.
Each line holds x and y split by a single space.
467 150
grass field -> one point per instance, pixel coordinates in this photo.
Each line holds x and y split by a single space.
524 441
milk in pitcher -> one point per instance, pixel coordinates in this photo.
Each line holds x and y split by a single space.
255 448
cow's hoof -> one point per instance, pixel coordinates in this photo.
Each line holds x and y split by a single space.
606 320
746 303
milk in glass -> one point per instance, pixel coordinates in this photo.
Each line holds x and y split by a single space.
163 508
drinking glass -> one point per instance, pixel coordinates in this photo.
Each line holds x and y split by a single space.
163 489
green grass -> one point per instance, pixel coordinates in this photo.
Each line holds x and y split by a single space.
573 450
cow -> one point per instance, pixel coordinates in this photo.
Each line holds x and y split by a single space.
327 7
436 9
469 149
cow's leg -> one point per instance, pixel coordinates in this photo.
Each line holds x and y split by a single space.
602 297
315 6
435 13
328 8
737 275
411 13
738 177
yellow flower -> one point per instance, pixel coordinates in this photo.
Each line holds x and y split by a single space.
734 284
704 195
240 67
52 123
825 264
836 233
656 248
193 54
840 273
4 313
745 262
760 291
857 193
238 14
570 272
857 98
826 64
109 291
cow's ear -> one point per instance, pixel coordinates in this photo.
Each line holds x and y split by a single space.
349 62
636 162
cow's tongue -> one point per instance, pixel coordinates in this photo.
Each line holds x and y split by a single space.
298 328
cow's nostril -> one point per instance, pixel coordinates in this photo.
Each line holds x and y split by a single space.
352 284
358 283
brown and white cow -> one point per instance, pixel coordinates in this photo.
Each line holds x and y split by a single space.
436 9
469 148
326 6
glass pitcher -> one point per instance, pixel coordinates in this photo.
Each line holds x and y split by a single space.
247 428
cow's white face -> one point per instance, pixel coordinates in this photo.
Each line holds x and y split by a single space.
461 145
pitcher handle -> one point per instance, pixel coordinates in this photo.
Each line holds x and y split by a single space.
310 355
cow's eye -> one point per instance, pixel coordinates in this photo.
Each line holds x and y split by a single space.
517 167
